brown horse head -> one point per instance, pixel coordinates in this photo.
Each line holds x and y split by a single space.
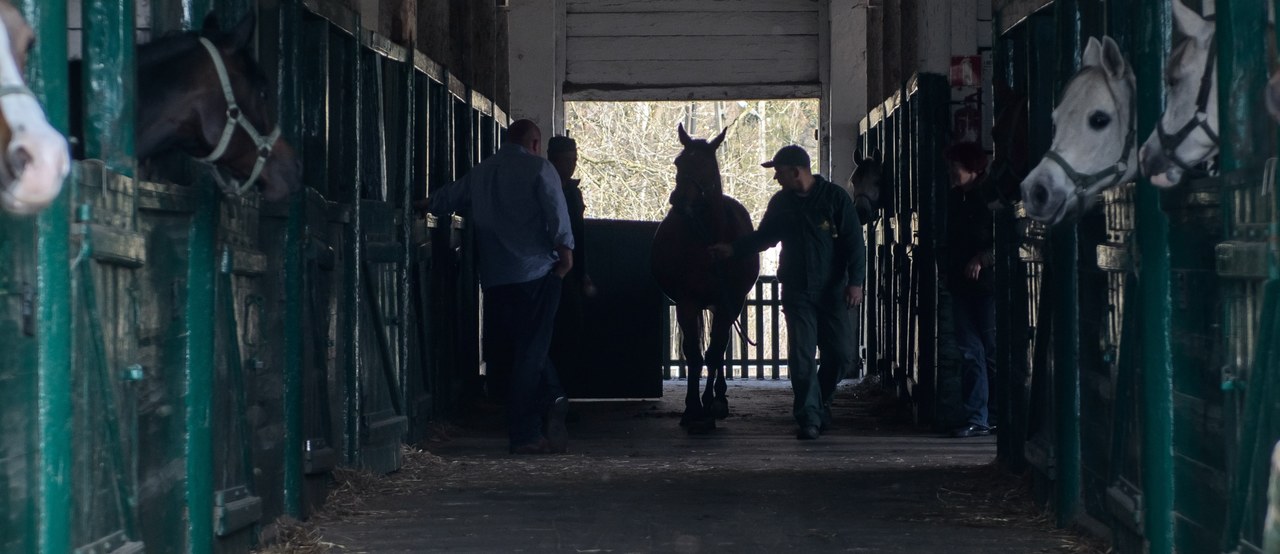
864 184
697 173
204 94
35 160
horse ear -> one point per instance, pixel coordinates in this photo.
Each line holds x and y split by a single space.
1190 22
1112 59
210 27
685 139
715 142
1092 56
241 36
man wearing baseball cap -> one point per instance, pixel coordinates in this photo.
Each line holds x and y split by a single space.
821 269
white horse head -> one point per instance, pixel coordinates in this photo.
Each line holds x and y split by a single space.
1187 133
34 158
1093 142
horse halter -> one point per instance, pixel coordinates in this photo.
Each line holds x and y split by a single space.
1169 143
1088 183
236 118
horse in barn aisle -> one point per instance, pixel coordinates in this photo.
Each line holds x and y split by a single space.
35 160
203 94
702 215
1093 143
864 184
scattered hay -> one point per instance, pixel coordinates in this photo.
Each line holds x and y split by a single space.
295 537
349 494
990 496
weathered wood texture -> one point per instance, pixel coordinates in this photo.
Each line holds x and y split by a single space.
637 44
1013 11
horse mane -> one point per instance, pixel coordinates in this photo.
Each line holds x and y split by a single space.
172 45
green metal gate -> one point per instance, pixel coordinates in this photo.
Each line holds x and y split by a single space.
907 326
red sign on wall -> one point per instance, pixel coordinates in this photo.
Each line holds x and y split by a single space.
966 71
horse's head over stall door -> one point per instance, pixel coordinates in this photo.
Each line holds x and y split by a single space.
204 94
1187 134
36 158
1093 140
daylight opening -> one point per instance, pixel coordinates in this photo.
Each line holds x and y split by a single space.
626 152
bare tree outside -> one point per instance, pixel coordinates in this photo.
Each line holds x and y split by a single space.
626 152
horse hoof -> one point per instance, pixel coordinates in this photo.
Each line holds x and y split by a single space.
720 408
688 419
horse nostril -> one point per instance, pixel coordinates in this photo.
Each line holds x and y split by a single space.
19 159
1040 194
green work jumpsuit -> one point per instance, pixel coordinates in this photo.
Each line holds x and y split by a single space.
822 252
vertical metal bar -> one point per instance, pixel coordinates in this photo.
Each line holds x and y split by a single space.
295 236
109 99
759 329
354 304
200 369
409 138
47 77
1241 76
1154 19
778 355
198 324
1066 325
1005 255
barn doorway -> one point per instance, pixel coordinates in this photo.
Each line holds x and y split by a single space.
625 154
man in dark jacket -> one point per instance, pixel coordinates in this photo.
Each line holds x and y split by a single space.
822 268
566 345
969 279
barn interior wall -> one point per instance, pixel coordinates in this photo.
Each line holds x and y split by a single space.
468 38
904 37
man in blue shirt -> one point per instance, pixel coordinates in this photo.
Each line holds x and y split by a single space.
821 269
524 247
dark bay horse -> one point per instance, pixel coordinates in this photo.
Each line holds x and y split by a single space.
35 159
702 215
204 95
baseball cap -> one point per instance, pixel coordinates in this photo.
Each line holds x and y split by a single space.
792 155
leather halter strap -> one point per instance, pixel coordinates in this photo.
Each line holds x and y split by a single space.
236 118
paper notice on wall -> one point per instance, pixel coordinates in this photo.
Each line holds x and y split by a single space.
966 71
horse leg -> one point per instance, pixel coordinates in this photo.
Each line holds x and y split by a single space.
721 329
689 319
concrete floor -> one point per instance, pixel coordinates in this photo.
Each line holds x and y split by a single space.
634 481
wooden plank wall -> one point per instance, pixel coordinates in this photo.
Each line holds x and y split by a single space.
663 43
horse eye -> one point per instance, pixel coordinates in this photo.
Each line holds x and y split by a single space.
1099 120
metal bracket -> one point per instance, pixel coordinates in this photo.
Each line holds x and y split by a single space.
28 310
115 543
234 509
1125 505
1042 457
318 457
133 373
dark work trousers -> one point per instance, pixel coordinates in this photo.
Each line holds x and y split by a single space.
567 343
816 320
974 314
523 317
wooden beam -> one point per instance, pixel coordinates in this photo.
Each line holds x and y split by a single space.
675 6
696 72
778 91
696 24
1013 12
800 47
